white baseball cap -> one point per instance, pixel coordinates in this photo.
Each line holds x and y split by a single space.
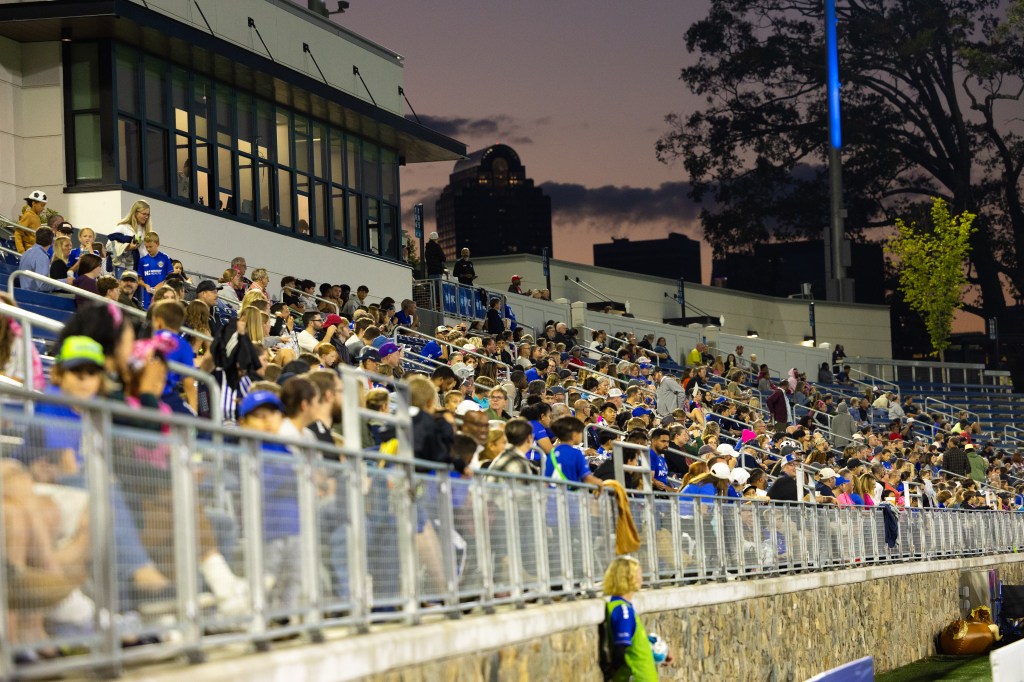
721 470
615 393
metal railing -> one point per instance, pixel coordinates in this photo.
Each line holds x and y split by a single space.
923 371
439 545
89 295
337 308
405 331
936 406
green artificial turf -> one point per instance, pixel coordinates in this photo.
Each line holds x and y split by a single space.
948 668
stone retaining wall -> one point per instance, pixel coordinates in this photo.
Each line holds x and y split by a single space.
783 629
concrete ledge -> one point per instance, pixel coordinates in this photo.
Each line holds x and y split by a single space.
351 657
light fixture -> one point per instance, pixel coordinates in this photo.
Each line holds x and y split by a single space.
751 334
65 35
808 342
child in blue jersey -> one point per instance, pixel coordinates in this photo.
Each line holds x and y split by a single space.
154 267
631 655
566 460
264 412
180 393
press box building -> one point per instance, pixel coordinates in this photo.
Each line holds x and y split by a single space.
253 127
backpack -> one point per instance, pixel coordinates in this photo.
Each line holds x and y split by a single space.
604 649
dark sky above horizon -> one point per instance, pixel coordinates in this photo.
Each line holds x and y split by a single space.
579 89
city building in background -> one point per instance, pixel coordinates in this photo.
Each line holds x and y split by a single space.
490 207
781 269
675 257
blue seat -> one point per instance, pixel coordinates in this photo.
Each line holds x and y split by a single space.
45 300
53 314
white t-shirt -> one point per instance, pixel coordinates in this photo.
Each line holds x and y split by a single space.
307 342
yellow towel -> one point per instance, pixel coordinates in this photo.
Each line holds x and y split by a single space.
627 539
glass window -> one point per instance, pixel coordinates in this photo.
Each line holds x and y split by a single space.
284 198
389 175
337 215
183 164
371 169
373 225
85 76
225 116
204 177
319 149
156 91
319 225
88 152
127 81
246 204
130 153
264 129
245 129
226 180
302 210
266 193
282 121
337 156
179 100
355 221
156 160
352 179
388 232
302 145
201 106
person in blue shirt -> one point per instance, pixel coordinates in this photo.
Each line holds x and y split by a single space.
36 260
566 460
154 267
659 465
631 654
539 416
263 411
407 316
167 318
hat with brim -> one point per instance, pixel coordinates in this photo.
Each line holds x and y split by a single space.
256 400
205 285
80 351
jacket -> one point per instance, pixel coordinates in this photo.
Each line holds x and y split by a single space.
670 396
25 239
955 461
777 406
433 254
843 426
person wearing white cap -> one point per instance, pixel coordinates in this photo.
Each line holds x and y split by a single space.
824 488
615 397
739 477
433 257
30 220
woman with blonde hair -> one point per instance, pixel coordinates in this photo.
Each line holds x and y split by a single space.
59 262
260 280
197 318
496 444
128 235
230 280
632 657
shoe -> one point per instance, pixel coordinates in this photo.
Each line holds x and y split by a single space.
232 592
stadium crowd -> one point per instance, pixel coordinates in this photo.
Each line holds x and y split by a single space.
486 397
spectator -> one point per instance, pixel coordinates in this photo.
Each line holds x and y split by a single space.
659 465
514 287
498 404
197 318
59 260
129 285
301 400
108 287
696 356
464 270
631 655
89 268
433 254
978 465
35 259
825 374
86 244
566 461
670 394
514 460
784 488
153 268
30 221
178 270
308 338
955 458
127 237
168 317
495 325
407 316
260 282
263 412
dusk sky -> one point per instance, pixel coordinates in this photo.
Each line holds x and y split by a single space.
579 89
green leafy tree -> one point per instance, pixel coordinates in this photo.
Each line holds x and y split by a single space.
932 106
932 267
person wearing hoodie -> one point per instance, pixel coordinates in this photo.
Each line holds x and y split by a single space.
792 379
778 405
843 426
979 467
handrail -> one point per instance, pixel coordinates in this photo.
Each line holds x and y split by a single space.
4 249
337 308
412 332
31 319
89 295
954 410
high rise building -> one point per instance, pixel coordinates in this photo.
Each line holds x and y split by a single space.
492 208
675 257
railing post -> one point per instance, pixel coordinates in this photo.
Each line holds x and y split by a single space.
96 435
186 541
358 568
484 550
250 471
309 543
539 498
